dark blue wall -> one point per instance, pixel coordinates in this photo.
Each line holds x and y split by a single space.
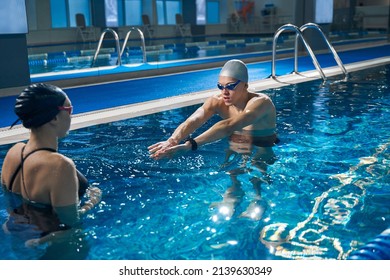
14 69
189 11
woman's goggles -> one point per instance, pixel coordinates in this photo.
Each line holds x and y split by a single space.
69 109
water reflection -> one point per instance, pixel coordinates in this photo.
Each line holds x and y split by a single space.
244 158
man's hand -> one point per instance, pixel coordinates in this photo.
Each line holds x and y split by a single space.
160 147
172 151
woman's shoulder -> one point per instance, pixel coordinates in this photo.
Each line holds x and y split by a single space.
11 161
16 149
60 161
59 177
53 169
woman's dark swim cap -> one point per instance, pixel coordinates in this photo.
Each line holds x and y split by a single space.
38 104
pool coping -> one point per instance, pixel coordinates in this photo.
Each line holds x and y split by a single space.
19 133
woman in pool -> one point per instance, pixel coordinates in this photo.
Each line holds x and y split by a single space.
44 186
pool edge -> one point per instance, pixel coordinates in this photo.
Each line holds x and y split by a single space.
19 133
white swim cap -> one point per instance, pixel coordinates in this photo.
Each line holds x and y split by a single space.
235 69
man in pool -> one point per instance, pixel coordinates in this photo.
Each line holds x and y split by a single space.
249 120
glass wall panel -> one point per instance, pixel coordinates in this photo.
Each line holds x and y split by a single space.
111 12
160 12
133 12
172 8
58 13
79 6
200 12
167 10
212 10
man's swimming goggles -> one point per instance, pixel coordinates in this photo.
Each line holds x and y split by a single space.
230 86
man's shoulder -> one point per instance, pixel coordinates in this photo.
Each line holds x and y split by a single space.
216 97
215 100
260 100
260 95
214 104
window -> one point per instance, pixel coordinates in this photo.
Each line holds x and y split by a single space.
207 11
79 6
63 12
172 8
58 13
13 17
201 11
323 11
117 12
167 10
133 12
111 13
160 12
212 9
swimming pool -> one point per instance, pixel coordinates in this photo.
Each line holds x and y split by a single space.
162 52
326 195
133 54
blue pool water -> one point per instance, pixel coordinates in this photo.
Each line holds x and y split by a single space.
146 89
327 194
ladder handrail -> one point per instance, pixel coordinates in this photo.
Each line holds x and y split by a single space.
299 34
141 34
116 37
331 48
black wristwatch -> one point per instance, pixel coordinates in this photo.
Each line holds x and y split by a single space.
194 145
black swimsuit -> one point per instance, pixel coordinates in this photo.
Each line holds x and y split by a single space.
83 182
30 220
20 167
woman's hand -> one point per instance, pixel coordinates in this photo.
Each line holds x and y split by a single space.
95 196
32 243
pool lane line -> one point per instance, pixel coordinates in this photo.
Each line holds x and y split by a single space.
19 133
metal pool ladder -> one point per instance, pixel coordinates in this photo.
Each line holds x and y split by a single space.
141 34
116 37
299 34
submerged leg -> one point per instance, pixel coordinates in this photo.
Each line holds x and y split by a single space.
231 199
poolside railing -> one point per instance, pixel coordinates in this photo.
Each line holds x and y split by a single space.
299 34
141 34
118 49
331 48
